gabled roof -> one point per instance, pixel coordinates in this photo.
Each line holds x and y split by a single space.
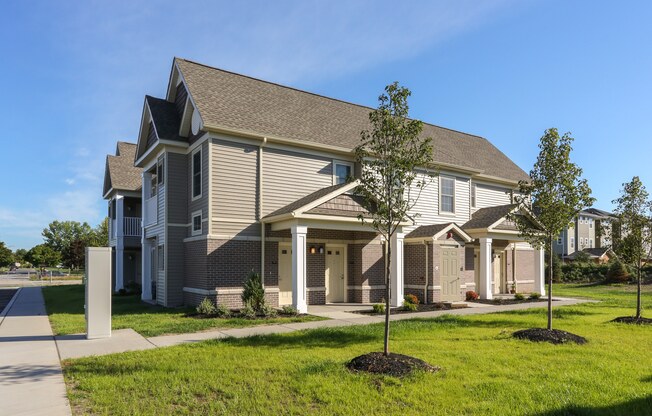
486 217
120 174
165 118
434 231
593 252
307 200
231 102
597 212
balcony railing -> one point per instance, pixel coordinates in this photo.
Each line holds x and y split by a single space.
150 216
132 227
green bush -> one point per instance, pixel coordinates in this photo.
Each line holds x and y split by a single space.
412 307
379 308
618 272
289 310
247 311
268 311
472 295
409 298
519 296
253 293
534 296
206 307
584 272
557 272
222 311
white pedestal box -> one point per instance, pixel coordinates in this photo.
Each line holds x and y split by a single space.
98 292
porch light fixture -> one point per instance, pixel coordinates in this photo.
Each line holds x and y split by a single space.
313 250
449 235
321 250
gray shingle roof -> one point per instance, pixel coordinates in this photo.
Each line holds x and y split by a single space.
427 230
166 119
305 200
484 217
120 172
237 102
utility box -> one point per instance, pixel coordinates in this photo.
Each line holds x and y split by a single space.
98 292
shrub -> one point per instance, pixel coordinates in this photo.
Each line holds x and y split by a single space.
253 293
472 295
409 298
379 308
519 296
557 271
222 311
268 311
206 307
534 296
289 310
407 306
122 292
134 288
247 311
618 272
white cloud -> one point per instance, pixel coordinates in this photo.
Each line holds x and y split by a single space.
70 181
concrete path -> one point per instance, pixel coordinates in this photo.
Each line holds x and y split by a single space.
31 382
75 346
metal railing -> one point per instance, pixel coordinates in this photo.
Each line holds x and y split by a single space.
132 227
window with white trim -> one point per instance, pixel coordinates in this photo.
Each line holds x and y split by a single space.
447 195
473 192
591 243
196 174
590 222
160 167
197 223
572 242
342 172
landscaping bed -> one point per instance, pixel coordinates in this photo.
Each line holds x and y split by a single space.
553 336
397 365
439 306
501 301
633 320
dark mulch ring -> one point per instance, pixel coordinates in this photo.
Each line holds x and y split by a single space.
554 336
439 306
500 301
633 320
397 365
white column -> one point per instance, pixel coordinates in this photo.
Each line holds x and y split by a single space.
119 243
486 271
396 269
146 265
299 300
539 271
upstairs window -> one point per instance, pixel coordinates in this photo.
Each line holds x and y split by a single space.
342 172
196 223
473 191
559 241
447 195
159 171
590 222
196 174
572 242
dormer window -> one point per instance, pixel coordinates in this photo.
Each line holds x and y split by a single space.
342 172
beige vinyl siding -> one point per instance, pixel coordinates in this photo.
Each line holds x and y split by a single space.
234 190
288 176
199 204
174 266
490 196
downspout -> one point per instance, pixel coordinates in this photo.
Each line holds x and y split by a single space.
425 288
260 210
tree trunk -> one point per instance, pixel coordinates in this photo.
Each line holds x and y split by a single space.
638 291
388 293
550 287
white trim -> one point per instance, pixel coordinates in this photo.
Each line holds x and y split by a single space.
345 266
336 162
363 287
441 178
316 289
209 149
232 291
192 174
199 291
194 215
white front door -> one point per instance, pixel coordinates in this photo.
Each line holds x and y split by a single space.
450 277
497 274
335 273
285 274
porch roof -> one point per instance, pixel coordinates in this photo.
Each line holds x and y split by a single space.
494 222
435 231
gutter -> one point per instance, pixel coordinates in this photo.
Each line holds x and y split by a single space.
260 210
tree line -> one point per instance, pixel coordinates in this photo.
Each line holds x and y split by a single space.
64 243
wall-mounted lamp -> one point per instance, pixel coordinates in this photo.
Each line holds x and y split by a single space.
321 250
313 250
449 235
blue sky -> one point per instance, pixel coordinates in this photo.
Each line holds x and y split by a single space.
75 74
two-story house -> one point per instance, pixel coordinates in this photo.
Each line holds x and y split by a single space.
241 174
591 229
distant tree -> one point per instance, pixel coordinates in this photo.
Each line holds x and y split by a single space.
19 255
101 234
70 238
43 254
555 193
6 255
582 257
390 153
634 211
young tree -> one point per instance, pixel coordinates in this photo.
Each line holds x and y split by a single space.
43 254
69 238
389 153
634 211
555 193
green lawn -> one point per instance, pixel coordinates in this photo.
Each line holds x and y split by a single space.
485 371
65 306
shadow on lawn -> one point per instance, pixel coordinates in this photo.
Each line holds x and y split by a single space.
454 321
558 313
321 337
642 406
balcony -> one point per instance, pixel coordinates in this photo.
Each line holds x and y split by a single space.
131 227
150 211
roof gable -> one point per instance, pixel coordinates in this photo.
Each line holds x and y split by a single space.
120 174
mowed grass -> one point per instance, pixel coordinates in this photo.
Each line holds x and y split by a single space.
485 371
65 307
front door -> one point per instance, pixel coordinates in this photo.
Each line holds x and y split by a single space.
153 269
450 277
497 273
284 274
335 277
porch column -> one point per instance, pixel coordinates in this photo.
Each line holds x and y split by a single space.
486 271
539 271
119 243
299 268
396 271
145 246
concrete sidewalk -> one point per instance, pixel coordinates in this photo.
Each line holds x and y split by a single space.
31 381
75 346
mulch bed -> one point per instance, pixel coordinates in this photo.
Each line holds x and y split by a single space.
499 301
633 320
397 365
554 336
420 308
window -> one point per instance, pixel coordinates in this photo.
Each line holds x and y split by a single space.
161 257
159 171
197 223
558 241
196 174
572 242
590 222
591 243
342 172
447 195
473 191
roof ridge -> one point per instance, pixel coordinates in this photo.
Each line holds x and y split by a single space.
315 94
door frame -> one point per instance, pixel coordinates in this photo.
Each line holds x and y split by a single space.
441 268
344 248
281 246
